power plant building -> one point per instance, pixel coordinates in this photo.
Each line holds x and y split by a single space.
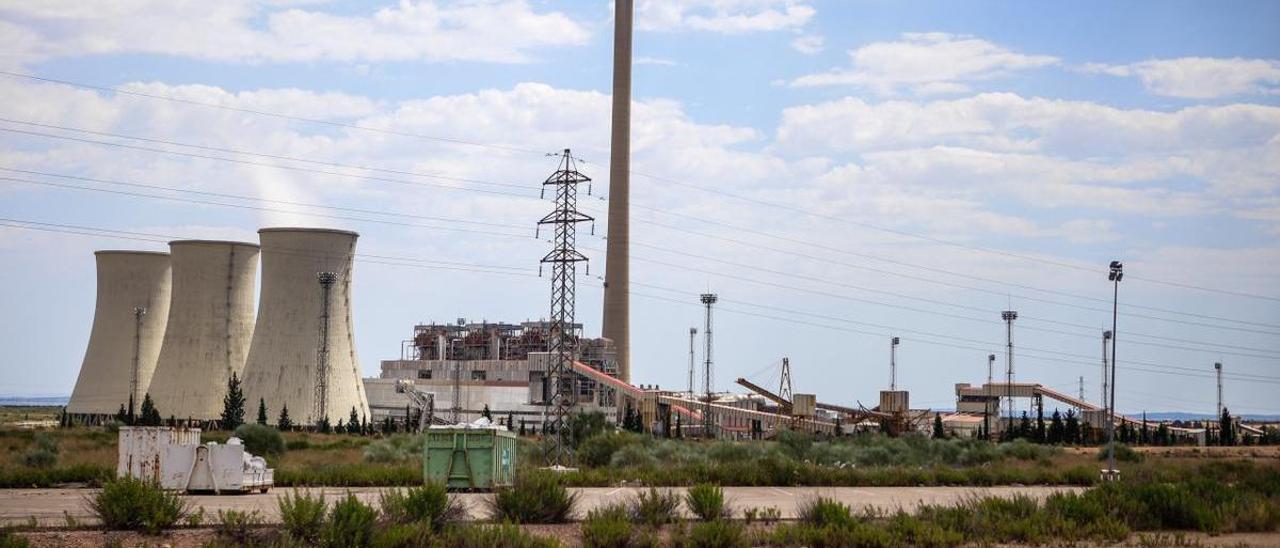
210 327
503 366
129 319
303 354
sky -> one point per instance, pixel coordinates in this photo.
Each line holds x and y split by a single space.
839 172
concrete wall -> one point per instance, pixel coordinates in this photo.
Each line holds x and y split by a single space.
210 327
126 280
282 363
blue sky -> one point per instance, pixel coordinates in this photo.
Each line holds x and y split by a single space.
1075 133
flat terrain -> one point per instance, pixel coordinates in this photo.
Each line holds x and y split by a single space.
50 507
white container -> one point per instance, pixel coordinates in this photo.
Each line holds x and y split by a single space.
142 449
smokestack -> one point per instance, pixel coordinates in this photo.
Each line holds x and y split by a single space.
209 329
285 357
617 276
128 327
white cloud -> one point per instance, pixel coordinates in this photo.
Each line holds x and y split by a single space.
260 31
1200 77
722 16
642 60
808 44
925 63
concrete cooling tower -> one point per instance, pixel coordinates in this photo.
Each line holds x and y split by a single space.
303 354
209 330
128 327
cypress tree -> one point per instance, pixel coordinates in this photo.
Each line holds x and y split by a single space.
1056 430
938 432
283 422
233 404
262 411
511 421
353 422
486 413
150 416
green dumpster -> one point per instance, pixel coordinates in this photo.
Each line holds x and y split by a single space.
470 458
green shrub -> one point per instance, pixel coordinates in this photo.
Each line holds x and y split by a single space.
598 450
260 439
237 526
39 457
403 535
809 535
399 448
706 501
711 534
302 515
430 504
536 497
607 527
822 511
350 524
135 505
488 536
654 507
911 531
294 445
1124 453
19 477
350 475
10 540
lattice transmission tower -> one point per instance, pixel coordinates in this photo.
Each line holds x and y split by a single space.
784 386
563 259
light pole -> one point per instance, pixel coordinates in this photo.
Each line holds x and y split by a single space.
986 408
1106 339
1008 316
893 365
1115 275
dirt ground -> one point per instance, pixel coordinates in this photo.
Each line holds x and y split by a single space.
58 507
569 536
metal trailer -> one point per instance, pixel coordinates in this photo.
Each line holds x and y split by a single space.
214 468
470 458
174 459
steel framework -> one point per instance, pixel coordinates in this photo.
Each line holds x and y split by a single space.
784 385
563 259
321 410
708 373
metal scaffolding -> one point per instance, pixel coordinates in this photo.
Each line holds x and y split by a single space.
321 403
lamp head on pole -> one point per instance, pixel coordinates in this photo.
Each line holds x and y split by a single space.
894 342
1106 335
1117 271
991 357
1217 365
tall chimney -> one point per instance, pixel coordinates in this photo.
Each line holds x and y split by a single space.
617 284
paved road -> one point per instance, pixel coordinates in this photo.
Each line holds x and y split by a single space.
52 506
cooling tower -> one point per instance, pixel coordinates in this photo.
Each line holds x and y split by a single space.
128 327
303 355
210 327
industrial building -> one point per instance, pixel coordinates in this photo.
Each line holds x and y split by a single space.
499 365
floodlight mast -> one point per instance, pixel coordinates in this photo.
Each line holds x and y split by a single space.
1115 275
1008 316
986 409
893 364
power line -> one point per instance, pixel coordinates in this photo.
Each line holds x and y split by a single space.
1073 266
794 209
263 164
151 140
670 227
410 262
750 230
166 238
450 140
259 208
890 328
937 343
